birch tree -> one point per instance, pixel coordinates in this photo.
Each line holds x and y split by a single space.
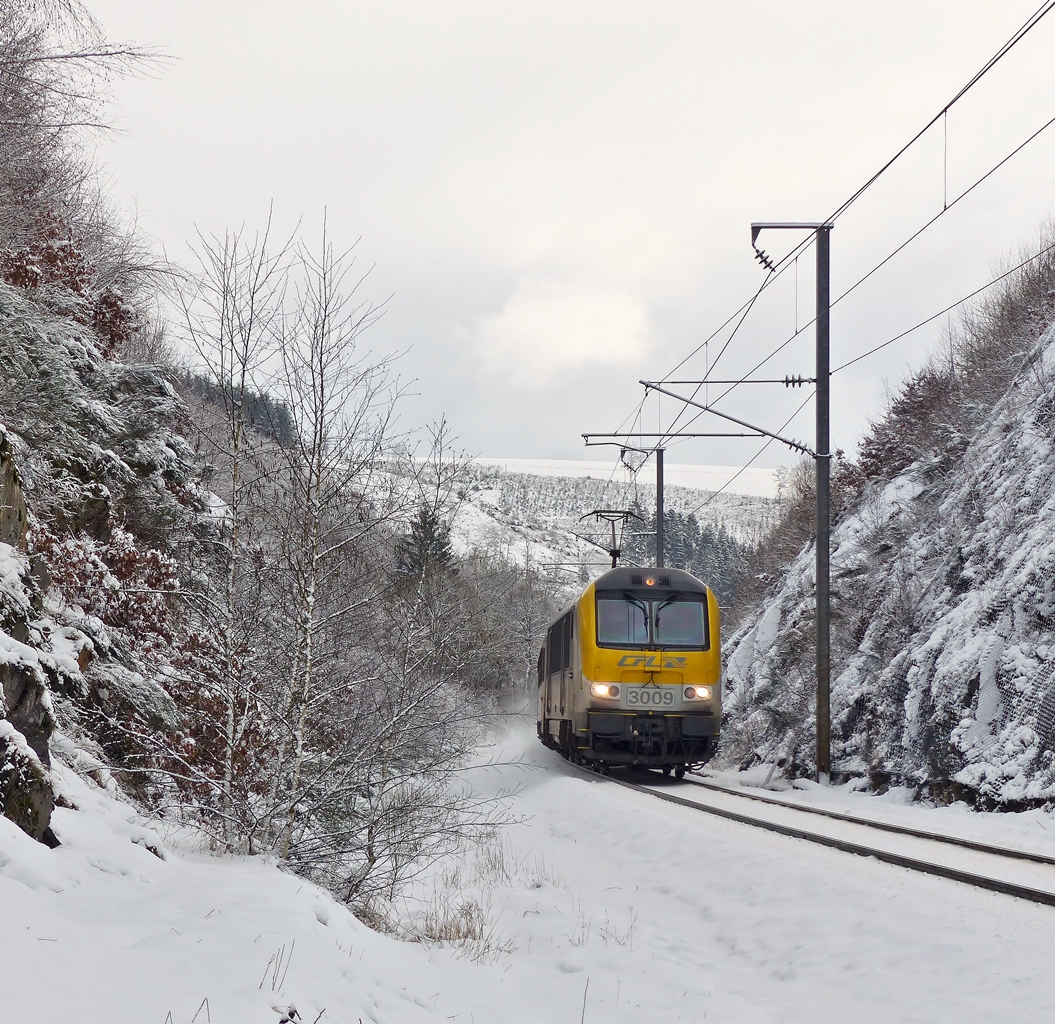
336 494
231 315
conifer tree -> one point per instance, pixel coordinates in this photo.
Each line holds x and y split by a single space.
427 548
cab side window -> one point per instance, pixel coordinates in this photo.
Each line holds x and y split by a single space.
558 644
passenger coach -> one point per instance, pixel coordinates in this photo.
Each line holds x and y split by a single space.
630 674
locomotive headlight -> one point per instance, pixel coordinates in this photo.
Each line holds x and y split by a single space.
608 691
697 693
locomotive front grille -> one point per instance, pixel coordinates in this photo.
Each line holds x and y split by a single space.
657 738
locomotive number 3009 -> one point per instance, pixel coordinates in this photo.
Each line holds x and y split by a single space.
650 696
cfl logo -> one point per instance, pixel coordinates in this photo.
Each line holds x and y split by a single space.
652 661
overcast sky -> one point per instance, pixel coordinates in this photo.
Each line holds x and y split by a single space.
557 195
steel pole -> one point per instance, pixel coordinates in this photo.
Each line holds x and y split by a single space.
659 508
823 462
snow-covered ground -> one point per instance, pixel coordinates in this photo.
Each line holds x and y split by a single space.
600 904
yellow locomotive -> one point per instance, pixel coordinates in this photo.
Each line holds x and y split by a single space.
630 674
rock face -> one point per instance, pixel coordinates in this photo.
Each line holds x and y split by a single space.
92 445
12 501
25 786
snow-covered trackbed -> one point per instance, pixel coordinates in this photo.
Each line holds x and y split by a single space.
887 826
1013 872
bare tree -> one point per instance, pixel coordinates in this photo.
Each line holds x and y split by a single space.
231 315
380 792
55 64
333 480
348 652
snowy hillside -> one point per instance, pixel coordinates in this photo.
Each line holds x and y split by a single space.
535 517
943 617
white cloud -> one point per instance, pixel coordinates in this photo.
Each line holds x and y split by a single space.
608 156
547 327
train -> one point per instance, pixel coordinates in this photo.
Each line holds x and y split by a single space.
630 673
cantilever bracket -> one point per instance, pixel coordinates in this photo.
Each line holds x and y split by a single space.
764 225
796 445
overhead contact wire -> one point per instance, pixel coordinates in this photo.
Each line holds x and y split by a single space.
941 213
1030 23
784 262
886 259
787 260
746 310
747 465
947 309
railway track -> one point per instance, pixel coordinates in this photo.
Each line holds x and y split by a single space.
883 826
1018 873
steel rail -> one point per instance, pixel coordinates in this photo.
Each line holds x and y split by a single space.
884 826
899 860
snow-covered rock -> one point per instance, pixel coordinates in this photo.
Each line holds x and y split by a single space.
943 621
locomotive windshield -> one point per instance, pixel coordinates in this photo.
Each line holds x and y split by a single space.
653 619
679 623
620 621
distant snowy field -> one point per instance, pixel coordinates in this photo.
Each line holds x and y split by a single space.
603 905
762 483
536 512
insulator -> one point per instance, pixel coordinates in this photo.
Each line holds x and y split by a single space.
764 260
